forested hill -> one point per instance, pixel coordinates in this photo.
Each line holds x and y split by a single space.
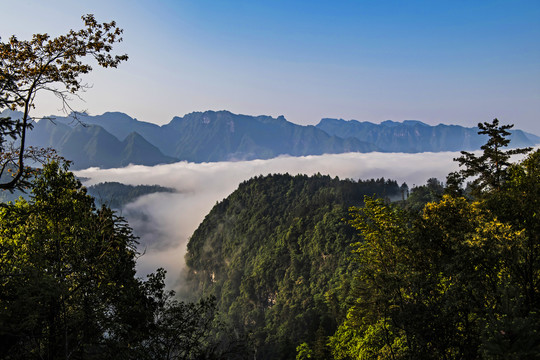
115 195
275 253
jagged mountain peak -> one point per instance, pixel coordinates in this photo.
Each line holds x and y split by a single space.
205 136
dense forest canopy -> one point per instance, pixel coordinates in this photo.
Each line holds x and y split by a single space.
68 288
286 266
446 271
458 280
275 255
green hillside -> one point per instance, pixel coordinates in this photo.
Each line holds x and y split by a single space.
275 254
115 195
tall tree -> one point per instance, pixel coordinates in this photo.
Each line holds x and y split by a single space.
68 288
67 273
46 64
459 280
490 167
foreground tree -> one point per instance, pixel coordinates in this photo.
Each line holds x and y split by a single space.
460 280
45 64
67 274
68 288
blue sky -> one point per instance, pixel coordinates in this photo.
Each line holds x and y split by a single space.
458 62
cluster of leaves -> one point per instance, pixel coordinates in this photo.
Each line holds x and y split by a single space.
275 255
28 67
68 287
459 279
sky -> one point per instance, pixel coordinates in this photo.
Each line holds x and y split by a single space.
454 62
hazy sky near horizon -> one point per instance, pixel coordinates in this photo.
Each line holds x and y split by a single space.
459 62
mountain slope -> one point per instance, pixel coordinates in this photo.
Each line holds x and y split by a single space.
414 136
115 195
114 139
221 135
275 252
91 145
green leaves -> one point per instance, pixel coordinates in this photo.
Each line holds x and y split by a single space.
459 280
65 268
276 254
489 168
47 64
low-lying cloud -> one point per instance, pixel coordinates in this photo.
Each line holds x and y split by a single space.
165 221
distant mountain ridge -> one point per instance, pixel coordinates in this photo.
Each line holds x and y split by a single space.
114 139
197 137
413 136
92 145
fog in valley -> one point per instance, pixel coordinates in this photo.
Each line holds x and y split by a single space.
165 221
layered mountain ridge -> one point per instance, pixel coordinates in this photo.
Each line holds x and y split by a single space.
413 136
114 139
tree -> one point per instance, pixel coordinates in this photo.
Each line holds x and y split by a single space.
459 280
428 285
517 204
46 64
489 168
179 330
421 195
67 274
68 287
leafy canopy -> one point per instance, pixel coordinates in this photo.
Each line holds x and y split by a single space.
490 167
28 67
461 278
68 287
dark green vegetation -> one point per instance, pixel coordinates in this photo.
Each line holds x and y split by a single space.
116 140
438 276
461 279
68 288
111 194
275 254
115 195
67 269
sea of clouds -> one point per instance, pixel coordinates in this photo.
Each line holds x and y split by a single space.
165 221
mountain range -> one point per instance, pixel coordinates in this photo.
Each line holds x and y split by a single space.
115 139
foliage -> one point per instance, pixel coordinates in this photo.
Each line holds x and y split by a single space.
68 287
46 64
423 194
179 330
458 280
489 168
67 272
275 254
427 283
